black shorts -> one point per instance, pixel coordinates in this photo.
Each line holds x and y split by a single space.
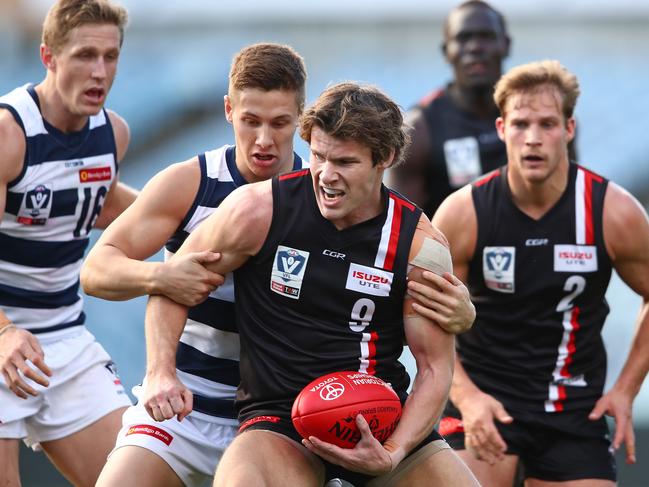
280 422
551 446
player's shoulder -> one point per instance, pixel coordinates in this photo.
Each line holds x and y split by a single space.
12 145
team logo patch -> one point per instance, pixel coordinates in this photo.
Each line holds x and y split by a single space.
287 275
369 280
498 265
95 174
36 205
575 258
153 431
462 160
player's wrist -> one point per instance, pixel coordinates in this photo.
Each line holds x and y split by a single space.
396 453
6 326
156 280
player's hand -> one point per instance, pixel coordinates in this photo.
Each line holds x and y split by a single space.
367 457
480 412
186 280
619 405
445 300
165 396
21 356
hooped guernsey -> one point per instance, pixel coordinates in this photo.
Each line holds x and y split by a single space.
539 290
50 209
316 299
207 360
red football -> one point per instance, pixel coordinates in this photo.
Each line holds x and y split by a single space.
327 407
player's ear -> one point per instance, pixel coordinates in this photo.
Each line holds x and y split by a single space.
227 105
500 128
571 126
47 57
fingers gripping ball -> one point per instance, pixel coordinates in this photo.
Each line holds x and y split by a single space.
327 408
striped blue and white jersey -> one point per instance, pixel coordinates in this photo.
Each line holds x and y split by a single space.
50 209
207 360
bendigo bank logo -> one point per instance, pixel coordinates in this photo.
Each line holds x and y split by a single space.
289 266
498 264
368 280
95 174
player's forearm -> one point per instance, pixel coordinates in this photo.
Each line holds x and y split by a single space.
119 198
424 405
462 386
109 274
163 324
637 364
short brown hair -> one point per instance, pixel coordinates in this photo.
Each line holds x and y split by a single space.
66 15
268 66
532 76
361 113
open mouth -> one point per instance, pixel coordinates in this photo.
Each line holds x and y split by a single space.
95 95
264 159
533 158
330 194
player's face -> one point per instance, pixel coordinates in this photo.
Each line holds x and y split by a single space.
84 68
264 124
535 133
345 183
475 46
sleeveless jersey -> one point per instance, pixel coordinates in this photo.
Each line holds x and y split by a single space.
207 359
538 287
316 300
463 147
50 209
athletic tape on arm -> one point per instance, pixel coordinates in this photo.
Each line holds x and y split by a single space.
433 256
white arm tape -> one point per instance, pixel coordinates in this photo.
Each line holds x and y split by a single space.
433 256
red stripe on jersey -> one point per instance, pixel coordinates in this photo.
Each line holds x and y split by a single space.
430 97
296 174
371 346
391 253
558 405
571 342
488 177
588 208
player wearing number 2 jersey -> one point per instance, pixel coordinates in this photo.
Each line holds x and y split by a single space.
59 153
537 240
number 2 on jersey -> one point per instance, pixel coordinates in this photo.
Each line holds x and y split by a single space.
574 286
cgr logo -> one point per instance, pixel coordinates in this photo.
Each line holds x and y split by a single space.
335 255
536 242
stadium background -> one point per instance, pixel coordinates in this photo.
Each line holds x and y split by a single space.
173 75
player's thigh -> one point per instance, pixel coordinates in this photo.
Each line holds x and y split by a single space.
500 474
9 473
570 483
134 466
265 458
81 455
442 467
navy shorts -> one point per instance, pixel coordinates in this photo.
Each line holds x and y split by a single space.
551 446
279 422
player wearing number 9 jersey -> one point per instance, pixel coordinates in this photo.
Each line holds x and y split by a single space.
59 153
537 240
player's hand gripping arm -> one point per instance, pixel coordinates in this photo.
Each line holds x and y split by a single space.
19 349
115 268
457 219
626 233
237 229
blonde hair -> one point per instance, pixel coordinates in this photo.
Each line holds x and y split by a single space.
536 75
66 15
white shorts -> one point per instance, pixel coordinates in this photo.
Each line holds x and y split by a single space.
191 447
84 388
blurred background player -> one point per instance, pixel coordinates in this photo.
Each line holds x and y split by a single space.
59 153
536 241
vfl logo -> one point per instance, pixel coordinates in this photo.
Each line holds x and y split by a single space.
332 391
498 265
36 205
289 266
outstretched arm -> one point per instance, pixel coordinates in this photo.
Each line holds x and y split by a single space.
626 234
115 268
237 229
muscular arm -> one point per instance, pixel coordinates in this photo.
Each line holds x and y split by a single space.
17 346
237 229
120 195
409 178
626 235
114 268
